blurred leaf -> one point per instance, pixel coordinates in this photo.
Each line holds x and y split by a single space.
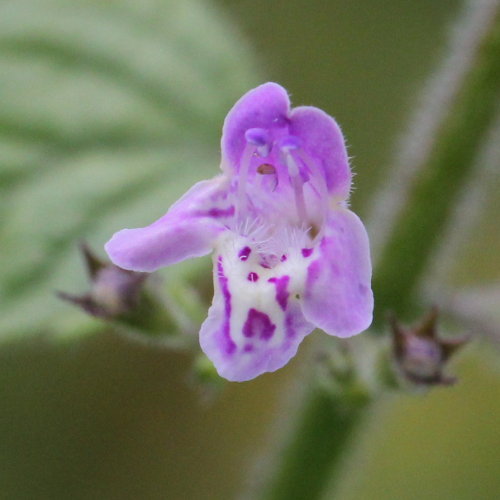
109 111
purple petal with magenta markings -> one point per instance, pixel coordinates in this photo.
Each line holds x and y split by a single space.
323 141
187 230
244 339
266 106
266 109
338 296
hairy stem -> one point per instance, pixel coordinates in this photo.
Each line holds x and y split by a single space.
317 447
441 176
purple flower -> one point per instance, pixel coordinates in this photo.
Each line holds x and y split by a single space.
289 255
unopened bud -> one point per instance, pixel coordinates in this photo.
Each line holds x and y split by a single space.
113 292
420 354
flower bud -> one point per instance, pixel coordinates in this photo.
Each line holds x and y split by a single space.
113 292
420 354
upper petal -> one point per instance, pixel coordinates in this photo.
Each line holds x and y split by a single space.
323 141
338 296
262 107
187 230
255 323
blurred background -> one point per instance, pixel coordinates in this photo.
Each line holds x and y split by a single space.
108 112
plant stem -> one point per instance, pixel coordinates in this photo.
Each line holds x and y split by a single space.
324 429
317 446
442 175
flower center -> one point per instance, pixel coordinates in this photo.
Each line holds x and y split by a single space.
275 173
278 195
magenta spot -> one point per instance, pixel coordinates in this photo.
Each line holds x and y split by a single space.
282 294
221 212
215 212
306 252
248 348
252 276
314 273
229 345
259 325
244 253
283 258
363 289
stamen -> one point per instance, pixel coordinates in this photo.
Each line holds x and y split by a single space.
320 187
242 179
288 145
299 198
258 141
259 138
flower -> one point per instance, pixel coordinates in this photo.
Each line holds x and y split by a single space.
289 255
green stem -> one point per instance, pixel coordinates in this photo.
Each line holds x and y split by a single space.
442 175
323 432
317 446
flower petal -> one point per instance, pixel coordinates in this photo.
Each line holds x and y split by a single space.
338 296
187 230
263 107
322 138
247 332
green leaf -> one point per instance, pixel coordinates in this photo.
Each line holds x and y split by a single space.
110 110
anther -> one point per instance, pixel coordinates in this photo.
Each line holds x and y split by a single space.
289 143
259 138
